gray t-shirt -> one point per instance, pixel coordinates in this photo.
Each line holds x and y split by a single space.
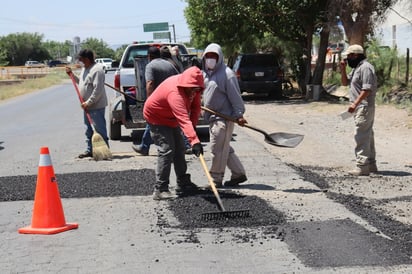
91 85
159 70
363 77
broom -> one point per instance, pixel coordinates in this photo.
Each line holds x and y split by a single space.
100 149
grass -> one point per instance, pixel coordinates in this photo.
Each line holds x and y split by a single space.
55 77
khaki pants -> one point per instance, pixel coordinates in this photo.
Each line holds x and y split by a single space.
222 153
364 136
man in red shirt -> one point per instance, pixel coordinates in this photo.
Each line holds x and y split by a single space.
174 106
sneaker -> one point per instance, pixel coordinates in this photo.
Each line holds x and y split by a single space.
373 168
236 181
140 150
85 154
188 151
163 195
360 171
186 188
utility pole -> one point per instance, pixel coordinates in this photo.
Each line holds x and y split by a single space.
174 32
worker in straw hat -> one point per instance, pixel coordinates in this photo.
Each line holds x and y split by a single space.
362 93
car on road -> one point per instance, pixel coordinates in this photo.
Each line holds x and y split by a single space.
106 63
127 107
259 73
336 47
56 63
34 64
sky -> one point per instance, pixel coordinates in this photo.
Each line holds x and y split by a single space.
403 36
115 22
121 22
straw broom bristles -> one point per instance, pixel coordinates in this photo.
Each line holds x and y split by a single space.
100 149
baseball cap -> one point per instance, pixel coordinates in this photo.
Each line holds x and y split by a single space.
356 49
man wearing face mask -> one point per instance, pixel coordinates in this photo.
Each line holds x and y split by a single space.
222 94
91 85
363 87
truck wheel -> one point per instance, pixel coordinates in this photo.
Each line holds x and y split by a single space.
115 131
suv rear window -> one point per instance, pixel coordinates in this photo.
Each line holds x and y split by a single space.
261 60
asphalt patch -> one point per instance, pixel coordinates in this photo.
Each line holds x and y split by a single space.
190 211
341 243
82 185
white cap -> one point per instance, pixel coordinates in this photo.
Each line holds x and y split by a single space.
356 49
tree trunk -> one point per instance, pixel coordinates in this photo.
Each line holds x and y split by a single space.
320 63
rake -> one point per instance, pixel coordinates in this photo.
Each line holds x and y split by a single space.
223 214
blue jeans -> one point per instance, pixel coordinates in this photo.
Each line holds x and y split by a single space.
146 139
99 122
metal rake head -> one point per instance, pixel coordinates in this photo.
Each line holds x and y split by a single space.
224 215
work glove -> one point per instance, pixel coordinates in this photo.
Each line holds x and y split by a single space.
197 149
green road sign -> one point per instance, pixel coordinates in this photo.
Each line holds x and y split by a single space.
156 27
161 35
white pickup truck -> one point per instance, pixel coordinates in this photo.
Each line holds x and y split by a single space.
129 80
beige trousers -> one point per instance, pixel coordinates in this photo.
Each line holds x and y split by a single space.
222 153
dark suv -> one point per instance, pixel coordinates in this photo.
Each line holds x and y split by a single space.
259 73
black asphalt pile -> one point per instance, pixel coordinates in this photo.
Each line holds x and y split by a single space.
82 185
190 211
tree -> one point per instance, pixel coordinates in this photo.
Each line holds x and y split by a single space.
360 16
21 47
58 50
100 48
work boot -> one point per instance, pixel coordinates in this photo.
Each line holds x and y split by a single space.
185 185
85 154
139 149
186 188
236 181
360 171
373 168
159 195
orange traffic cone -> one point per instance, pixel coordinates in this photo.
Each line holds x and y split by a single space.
48 215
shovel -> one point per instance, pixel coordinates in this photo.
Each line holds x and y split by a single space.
280 139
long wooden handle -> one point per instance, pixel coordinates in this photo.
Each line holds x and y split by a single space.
121 92
229 118
212 184
81 100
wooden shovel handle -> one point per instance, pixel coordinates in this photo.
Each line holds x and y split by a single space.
212 184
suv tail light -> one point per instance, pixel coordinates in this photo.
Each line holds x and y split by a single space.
117 80
238 74
280 74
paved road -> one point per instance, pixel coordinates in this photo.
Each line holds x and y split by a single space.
134 234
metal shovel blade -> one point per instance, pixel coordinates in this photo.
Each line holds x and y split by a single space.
284 139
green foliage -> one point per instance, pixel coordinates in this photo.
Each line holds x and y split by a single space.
58 50
119 52
20 47
100 48
3 57
383 59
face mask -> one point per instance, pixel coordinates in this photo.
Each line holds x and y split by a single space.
81 64
210 63
353 63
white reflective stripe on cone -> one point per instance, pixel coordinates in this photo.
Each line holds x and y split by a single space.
45 160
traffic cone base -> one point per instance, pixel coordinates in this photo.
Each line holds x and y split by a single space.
54 230
48 215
